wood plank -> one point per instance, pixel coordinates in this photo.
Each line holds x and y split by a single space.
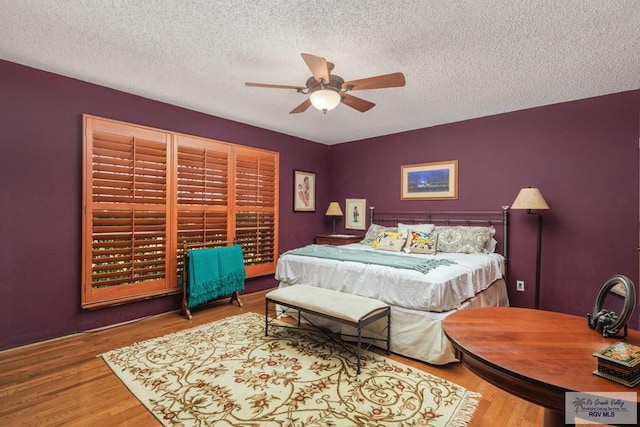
63 382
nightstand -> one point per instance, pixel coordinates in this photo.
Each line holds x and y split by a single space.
337 239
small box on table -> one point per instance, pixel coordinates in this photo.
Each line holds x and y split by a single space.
619 362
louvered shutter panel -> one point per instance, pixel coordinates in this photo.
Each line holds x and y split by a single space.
202 193
126 212
256 195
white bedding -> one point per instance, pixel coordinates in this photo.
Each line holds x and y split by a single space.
419 334
442 289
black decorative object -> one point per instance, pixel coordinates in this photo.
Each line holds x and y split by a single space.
608 323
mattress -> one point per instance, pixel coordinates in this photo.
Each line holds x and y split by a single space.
442 289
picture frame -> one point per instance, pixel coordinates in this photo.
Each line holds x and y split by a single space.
304 191
430 181
355 214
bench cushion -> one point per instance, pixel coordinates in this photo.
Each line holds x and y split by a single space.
349 307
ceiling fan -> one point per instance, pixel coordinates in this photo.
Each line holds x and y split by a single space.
327 90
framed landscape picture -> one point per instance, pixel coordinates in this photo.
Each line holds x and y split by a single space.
430 181
304 191
355 214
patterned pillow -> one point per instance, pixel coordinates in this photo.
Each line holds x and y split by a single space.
373 232
388 235
404 228
461 239
421 242
391 244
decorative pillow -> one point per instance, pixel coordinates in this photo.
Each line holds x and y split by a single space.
462 239
491 246
390 235
420 242
391 244
404 228
373 232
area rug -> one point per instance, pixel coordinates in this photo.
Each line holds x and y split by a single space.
227 373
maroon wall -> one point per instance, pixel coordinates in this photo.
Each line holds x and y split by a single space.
583 155
41 172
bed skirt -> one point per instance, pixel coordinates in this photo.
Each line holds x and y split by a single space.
419 334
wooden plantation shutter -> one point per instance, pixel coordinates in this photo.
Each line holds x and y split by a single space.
256 200
148 192
125 243
203 193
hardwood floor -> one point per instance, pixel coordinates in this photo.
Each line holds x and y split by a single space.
63 382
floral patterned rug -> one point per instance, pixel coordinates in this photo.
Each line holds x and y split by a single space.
227 373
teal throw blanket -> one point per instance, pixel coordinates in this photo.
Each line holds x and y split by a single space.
371 257
214 273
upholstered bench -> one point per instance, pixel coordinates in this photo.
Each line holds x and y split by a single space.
349 309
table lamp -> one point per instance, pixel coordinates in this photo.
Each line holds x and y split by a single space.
334 211
530 199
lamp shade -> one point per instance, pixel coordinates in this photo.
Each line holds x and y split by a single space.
334 209
325 99
529 198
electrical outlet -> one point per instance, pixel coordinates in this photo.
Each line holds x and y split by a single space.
520 285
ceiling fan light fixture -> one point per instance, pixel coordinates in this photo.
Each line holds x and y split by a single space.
325 90
325 99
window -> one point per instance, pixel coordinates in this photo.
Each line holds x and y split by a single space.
148 192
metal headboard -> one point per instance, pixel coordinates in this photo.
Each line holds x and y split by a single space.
468 218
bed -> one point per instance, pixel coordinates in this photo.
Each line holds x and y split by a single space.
446 263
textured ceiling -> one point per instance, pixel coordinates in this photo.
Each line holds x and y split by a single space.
461 59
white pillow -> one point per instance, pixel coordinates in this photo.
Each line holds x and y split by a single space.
390 244
491 246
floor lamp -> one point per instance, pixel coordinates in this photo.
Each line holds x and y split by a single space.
530 199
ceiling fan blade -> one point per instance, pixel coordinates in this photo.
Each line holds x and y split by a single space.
274 86
357 103
318 66
302 107
377 82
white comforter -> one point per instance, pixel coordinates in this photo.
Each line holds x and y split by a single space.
442 289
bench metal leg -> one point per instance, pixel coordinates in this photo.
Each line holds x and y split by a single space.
389 331
359 349
266 317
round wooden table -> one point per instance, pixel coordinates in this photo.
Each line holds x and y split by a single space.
536 355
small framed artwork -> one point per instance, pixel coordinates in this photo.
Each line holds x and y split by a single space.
355 214
430 181
304 191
